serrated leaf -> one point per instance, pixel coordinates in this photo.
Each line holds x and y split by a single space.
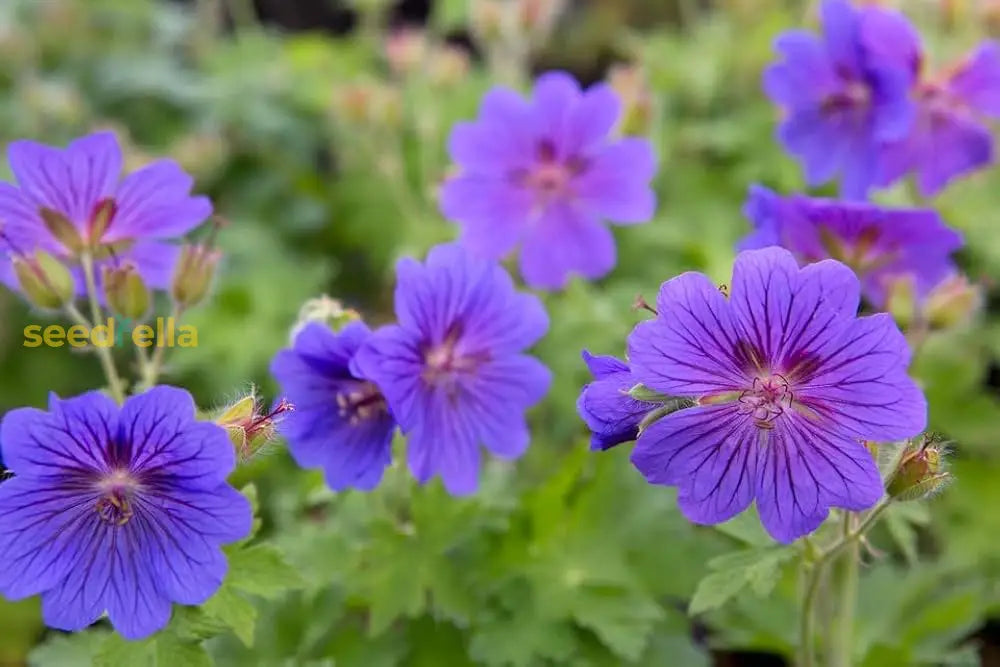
172 652
746 527
622 620
757 568
235 611
261 570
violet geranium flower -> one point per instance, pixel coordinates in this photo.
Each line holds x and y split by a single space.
74 199
880 244
605 406
114 509
453 370
950 137
340 422
844 94
544 174
789 385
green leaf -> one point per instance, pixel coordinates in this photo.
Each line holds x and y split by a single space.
757 568
747 528
173 652
116 652
622 620
261 570
75 650
235 611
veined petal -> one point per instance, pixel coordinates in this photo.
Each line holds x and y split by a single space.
803 471
444 442
693 346
710 453
493 212
156 202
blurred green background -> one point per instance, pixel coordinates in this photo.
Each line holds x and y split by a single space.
319 130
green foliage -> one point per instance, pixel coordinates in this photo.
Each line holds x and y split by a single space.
566 557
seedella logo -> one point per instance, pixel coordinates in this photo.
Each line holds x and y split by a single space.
164 332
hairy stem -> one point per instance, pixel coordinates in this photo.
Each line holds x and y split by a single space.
813 575
152 367
843 644
115 385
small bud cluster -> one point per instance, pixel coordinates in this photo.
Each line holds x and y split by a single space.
921 471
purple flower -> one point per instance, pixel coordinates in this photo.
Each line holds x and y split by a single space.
789 385
70 199
844 93
949 138
545 174
879 244
116 509
605 405
340 422
453 370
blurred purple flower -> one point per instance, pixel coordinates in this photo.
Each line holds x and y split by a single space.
879 244
605 405
116 509
950 137
453 370
789 384
844 93
545 174
340 422
68 199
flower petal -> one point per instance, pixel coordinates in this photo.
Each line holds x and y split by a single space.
493 212
564 241
710 453
693 346
155 202
72 438
616 182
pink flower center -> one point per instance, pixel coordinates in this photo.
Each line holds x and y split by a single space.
363 402
768 398
551 179
114 507
446 362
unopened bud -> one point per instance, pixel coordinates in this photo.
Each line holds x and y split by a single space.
633 88
901 300
100 219
193 274
125 291
952 302
405 50
368 103
62 229
487 20
45 281
920 472
250 429
326 310
449 66
538 17
641 392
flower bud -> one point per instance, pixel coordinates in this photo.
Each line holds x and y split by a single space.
62 229
405 50
901 300
193 274
125 291
330 312
920 472
449 66
487 20
632 86
952 302
45 281
100 220
249 428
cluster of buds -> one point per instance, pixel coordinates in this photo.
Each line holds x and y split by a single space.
250 427
496 21
921 471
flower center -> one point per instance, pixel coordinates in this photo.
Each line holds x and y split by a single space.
364 401
852 95
114 507
444 362
768 398
550 178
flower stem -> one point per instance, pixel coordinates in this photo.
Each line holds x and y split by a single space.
151 369
115 385
814 565
813 574
843 645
